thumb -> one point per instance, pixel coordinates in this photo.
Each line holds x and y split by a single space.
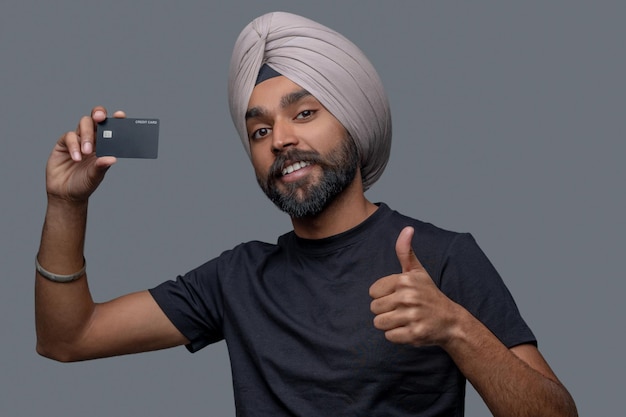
404 250
102 165
96 171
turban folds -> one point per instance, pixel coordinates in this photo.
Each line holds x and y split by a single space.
327 65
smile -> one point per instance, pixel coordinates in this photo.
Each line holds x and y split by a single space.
295 167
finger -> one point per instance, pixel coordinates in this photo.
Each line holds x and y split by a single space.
104 163
403 336
380 305
98 114
85 132
382 287
70 142
404 251
86 129
389 321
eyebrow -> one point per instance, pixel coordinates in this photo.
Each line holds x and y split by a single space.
285 101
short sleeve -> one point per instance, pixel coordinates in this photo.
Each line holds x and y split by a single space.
194 304
470 279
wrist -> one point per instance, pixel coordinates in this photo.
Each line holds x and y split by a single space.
66 202
459 329
65 210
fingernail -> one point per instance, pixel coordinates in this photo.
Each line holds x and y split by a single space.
76 156
99 114
87 147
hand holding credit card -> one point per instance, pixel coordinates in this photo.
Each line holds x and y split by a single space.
128 138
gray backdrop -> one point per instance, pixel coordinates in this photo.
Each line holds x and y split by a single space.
508 123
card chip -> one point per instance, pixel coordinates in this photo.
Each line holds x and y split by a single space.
108 134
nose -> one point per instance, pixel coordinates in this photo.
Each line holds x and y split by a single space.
283 136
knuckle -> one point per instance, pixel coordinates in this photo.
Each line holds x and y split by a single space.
69 138
417 333
406 280
408 298
413 315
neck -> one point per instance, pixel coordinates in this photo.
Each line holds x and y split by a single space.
346 211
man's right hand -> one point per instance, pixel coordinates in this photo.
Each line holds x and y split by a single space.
73 171
70 326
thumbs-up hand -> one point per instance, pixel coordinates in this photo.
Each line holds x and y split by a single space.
409 307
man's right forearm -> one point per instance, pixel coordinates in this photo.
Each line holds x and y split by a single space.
62 310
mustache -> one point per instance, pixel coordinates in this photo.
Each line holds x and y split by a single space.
293 155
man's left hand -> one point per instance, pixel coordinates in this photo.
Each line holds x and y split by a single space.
409 307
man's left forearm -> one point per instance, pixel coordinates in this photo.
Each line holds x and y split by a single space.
513 382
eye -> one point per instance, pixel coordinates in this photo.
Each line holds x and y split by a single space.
305 114
260 133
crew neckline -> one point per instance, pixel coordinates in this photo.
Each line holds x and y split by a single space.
332 243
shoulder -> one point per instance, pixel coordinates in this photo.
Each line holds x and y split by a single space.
426 234
433 245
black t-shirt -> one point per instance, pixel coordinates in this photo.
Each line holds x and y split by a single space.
297 322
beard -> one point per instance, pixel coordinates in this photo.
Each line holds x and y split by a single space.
305 199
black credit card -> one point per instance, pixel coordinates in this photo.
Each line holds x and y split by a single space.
128 138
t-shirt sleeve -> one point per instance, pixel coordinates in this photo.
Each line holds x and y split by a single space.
469 278
194 304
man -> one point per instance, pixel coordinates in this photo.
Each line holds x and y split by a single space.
358 311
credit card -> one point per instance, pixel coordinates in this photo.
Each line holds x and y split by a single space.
128 138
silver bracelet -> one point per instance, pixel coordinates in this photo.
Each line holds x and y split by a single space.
59 278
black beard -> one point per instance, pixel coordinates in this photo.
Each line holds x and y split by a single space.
338 171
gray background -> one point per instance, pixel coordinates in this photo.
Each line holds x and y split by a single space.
508 123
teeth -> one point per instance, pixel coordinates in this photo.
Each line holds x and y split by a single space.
294 167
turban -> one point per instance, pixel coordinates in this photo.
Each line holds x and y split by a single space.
326 64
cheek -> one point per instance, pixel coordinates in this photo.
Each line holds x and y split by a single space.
336 130
260 164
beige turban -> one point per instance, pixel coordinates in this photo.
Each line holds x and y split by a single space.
327 65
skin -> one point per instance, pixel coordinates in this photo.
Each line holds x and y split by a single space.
408 307
276 125
70 326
